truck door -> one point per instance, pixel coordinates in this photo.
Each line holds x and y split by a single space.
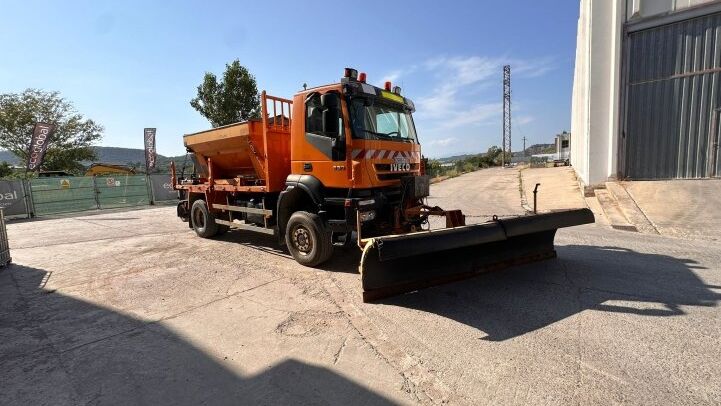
320 150
324 125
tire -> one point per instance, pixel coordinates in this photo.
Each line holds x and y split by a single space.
203 220
308 239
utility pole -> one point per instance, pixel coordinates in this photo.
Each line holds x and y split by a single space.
506 116
524 146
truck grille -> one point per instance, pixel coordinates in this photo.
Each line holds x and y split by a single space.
387 167
393 175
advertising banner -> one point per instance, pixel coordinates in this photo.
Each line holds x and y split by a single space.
149 135
39 145
12 197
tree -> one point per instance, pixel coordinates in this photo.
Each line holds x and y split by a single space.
70 143
233 99
5 169
492 157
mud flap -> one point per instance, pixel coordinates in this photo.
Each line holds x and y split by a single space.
396 264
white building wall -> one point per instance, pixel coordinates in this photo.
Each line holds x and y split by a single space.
596 104
579 102
594 119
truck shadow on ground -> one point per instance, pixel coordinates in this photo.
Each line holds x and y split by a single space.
58 350
515 301
345 259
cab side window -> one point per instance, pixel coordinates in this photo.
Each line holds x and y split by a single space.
313 115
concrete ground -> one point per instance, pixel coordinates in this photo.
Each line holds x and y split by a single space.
133 308
558 188
681 208
480 194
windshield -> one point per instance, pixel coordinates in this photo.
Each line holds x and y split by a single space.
381 122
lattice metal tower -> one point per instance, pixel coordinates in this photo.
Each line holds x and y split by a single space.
507 151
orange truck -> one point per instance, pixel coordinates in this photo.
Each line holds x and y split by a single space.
342 163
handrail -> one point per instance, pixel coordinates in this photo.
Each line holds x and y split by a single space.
278 122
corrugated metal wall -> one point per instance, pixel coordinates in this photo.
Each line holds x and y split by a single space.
673 95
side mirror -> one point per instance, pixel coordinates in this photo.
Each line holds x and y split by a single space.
331 114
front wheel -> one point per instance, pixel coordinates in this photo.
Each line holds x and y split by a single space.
307 239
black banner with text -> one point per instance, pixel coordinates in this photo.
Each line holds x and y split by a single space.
39 145
149 134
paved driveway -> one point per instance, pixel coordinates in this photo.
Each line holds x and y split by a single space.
682 208
133 308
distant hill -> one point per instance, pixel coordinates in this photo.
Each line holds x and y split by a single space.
537 149
117 155
533 149
110 155
456 158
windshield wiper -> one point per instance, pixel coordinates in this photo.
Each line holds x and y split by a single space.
387 135
398 138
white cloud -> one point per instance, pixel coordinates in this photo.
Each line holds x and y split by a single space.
396 74
433 63
392 76
478 114
471 70
462 77
443 142
439 103
445 105
463 101
521 120
532 68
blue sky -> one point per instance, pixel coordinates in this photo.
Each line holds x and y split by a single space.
136 64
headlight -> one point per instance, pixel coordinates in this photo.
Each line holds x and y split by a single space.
367 215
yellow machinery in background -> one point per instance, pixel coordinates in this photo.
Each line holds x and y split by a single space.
109 169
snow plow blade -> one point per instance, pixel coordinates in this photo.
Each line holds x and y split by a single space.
397 264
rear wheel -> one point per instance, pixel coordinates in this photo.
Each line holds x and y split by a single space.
307 238
203 220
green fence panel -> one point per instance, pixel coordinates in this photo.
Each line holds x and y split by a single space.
122 191
63 195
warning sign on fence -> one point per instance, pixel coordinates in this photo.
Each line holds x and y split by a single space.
65 183
110 182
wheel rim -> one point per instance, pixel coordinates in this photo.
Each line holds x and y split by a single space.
198 218
302 240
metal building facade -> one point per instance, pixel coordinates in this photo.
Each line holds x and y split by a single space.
671 122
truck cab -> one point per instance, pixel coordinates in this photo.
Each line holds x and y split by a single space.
354 135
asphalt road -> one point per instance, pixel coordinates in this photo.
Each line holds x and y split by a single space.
133 308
